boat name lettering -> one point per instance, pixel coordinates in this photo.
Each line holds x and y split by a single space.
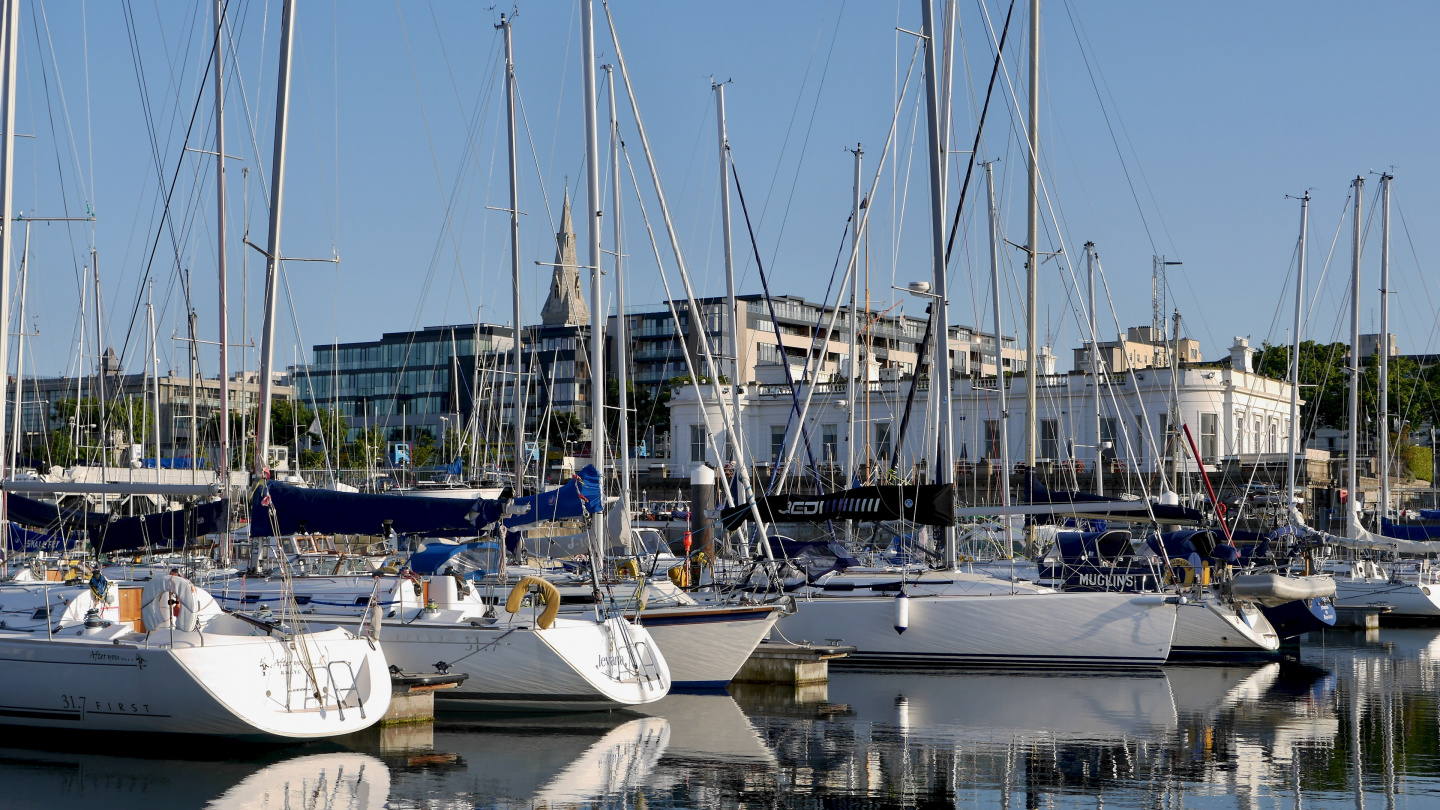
1117 581
96 655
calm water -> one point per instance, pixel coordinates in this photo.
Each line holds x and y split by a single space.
1351 723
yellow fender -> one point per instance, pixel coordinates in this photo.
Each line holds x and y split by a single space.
680 576
549 594
1182 567
629 568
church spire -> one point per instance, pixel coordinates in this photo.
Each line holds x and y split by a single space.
565 306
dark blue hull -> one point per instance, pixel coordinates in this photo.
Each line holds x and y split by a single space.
1294 619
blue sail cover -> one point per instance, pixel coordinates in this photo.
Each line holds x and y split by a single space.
1400 531
579 497
23 539
169 529
301 509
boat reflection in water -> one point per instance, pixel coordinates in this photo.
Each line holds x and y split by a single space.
333 780
1351 723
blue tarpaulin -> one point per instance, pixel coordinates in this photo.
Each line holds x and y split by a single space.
301 509
176 463
166 529
23 539
1400 531
578 497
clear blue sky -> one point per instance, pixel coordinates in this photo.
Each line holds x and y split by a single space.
1217 111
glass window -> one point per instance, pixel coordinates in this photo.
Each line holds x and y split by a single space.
830 443
697 444
1109 427
1050 438
1209 437
777 442
882 440
992 438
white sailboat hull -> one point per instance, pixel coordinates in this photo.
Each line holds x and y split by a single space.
1214 629
1020 629
1405 599
575 665
705 646
234 686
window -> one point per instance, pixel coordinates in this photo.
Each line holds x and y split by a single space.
1256 440
1239 432
1209 437
1274 436
882 440
1050 438
777 442
1140 439
992 438
1109 427
697 444
829 443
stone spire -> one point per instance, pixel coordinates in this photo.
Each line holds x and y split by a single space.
565 306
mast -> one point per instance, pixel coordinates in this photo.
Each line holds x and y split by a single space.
7 215
1095 371
223 473
272 258
622 324
592 200
516 394
1295 359
154 363
1032 239
732 305
854 330
994 229
940 377
1352 470
20 352
1384 392
99 370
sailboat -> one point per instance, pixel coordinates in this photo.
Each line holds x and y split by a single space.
527 659
178 663
1410 589
954 616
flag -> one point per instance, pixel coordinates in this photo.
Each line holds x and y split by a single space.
265 501
315 428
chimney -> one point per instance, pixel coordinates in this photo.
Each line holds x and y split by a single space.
1240 355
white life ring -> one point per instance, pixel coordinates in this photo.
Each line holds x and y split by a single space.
173 602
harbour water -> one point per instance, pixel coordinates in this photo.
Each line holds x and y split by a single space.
1350 722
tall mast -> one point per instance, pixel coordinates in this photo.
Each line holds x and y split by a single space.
154 363
1095 370
272 259
622 325
1295 358
732 305
854 330
20 351
99 370
517 395
1032 240
994 229
592 216
8 50
1384 392
1352 470
940 377
223 471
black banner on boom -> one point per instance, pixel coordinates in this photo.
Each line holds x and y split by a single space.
925 504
